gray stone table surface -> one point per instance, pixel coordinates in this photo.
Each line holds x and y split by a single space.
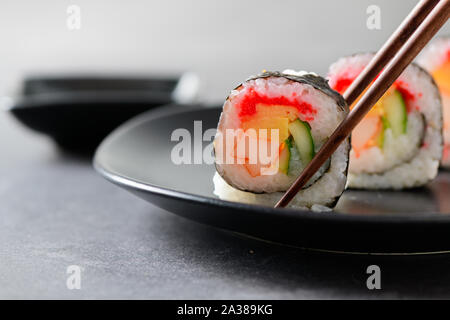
56 211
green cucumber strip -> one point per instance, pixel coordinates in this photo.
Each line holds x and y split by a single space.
380 138
301 132
396 113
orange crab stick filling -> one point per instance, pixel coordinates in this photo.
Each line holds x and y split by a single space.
268 118
442 77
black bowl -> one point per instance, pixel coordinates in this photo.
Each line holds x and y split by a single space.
78 112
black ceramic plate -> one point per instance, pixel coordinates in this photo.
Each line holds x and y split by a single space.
137 156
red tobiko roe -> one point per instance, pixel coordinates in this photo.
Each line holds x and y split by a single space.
403 88
342 84
247 106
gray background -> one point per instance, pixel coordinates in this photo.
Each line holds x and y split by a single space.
55 211
223 41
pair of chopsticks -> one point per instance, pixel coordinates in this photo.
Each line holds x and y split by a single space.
396 54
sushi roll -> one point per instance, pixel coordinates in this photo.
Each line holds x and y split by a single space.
291 114
436 60
398 144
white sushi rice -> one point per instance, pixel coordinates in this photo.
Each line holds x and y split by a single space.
403 165
268 189
434 55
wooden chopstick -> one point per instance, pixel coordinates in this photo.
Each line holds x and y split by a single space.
406 54
388 50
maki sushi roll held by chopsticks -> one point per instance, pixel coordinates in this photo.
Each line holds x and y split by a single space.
398 144
270 128
436 60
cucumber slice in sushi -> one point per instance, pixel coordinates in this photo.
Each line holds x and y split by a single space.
396 113
301 132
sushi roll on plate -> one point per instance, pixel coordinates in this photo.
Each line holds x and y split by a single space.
436 60
269 130
399 142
